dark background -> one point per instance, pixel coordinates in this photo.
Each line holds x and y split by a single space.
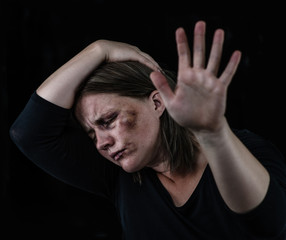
38 37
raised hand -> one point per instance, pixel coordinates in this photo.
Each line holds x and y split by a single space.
199 100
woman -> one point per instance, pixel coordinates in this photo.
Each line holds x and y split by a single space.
195 177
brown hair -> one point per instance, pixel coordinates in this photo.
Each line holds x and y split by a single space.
132 79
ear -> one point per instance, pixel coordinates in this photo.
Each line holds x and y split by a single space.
157 102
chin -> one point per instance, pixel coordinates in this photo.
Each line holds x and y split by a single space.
130 166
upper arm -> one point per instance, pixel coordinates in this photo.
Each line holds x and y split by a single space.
46 135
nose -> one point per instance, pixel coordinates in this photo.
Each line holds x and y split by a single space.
104 140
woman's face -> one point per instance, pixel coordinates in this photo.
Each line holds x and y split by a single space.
125 130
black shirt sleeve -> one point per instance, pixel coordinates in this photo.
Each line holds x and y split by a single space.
49 136
269 218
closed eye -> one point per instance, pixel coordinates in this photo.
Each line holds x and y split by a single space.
106 122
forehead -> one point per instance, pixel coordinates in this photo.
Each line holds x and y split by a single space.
98 104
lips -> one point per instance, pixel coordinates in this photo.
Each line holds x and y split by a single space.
117 155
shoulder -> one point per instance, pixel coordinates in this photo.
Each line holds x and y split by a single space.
262 148
246 135
253 140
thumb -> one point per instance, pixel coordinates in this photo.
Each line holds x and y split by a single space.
162 85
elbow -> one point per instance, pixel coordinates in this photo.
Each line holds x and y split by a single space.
18 136
13 134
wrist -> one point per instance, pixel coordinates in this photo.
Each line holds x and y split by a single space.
96 49
214 136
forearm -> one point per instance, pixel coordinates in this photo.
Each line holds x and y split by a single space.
241 179
60 87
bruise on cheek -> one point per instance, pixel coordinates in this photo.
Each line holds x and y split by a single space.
129 119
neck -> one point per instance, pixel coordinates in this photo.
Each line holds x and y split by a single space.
161 167
164 169
161 163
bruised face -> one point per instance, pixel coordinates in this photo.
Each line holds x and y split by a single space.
125 130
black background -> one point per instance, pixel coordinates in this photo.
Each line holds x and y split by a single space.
38 37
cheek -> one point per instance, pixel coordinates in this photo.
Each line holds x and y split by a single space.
138 128
129 121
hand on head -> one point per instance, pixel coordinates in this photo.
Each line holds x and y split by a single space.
118 51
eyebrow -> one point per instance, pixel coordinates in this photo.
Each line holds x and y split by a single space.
110 114
101 119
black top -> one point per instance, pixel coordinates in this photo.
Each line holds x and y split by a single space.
48 136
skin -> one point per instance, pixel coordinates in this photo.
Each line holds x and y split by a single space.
124 124
242 181
60 87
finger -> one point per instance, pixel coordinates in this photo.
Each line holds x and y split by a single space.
142 59
147 60
216 52
133 53
160 82
231 67
184 56
199 44
150 62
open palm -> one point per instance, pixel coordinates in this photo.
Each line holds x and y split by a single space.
199 100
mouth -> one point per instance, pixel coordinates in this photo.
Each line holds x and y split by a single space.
117 155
